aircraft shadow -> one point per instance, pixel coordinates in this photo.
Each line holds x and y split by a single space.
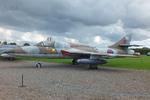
83 67
64 66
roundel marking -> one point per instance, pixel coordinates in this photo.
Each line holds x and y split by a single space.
110 51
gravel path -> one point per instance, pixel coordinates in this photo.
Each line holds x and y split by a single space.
68 82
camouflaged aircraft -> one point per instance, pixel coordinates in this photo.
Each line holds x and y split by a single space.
80 53
4 48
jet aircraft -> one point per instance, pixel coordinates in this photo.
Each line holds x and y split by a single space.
80 53
4 48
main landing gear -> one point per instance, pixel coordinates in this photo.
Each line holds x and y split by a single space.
74 62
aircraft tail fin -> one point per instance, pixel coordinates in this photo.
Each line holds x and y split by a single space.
124 43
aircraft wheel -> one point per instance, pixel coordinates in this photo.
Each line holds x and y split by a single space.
74 61
93 66
38 65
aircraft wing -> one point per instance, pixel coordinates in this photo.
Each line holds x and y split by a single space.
126 45
76 52
121 55
69 52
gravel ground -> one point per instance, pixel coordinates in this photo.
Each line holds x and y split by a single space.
68 82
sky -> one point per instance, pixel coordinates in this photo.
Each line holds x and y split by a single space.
93 22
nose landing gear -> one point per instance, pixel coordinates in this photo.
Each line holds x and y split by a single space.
74 62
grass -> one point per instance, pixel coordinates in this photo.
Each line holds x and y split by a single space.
140 63
55 60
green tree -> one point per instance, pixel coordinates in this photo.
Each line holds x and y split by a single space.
26 44
12 43
4 43
143 50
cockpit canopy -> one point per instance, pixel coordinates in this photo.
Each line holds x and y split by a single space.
52 43
48 43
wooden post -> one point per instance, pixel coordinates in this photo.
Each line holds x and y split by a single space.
22 81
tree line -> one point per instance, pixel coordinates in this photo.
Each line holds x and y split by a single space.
13 43
142 51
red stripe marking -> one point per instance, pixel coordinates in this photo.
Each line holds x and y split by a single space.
65 53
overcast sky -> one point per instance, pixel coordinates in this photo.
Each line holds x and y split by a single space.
94 22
